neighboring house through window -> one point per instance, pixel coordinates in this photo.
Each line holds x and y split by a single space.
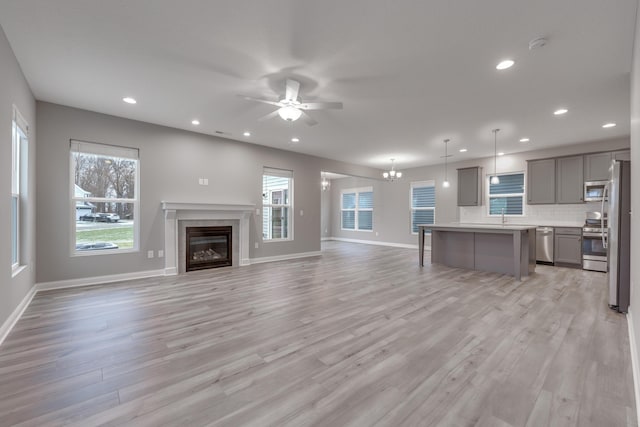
104 198
507 196
357 209
423 204
19 163
277 195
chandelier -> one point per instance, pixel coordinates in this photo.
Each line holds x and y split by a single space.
325 182
392 175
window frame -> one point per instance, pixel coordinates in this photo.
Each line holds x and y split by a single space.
279 173
105 148
19 166
357 209
421 184
523 194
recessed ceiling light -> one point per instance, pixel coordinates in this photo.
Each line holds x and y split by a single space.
247 133
524 139
129 100
195 122
608 125
560 111
295 139
501 154
503 65
463 150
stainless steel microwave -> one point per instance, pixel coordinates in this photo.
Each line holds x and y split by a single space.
594 190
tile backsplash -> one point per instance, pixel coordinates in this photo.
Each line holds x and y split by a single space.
560 215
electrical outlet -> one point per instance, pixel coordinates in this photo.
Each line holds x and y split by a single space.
200 181
160 253
301 212
257 245
205 181
149 254
377 234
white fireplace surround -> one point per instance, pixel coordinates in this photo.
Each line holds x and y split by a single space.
178 211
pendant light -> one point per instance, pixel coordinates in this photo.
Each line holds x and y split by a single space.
445 183
494 178
392 175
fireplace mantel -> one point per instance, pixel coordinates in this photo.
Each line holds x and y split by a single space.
179 211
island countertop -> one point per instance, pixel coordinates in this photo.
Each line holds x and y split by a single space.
453 226
507 249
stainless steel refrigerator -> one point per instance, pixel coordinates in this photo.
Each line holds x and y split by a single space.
619 241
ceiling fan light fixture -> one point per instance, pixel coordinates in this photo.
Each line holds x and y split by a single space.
289 113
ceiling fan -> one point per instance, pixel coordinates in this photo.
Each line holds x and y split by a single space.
291 107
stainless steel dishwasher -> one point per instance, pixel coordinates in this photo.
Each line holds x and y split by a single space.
544 245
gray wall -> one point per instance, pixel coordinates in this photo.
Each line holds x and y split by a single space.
635 193
171 161
391 220
14 90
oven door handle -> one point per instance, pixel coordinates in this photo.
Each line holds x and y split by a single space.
604 197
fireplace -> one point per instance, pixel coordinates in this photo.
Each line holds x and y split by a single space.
208 247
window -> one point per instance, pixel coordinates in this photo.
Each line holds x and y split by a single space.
104 198
508 195
19 130
277 190
423 204
357 209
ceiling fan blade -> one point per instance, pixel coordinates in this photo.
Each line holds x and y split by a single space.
268 116
308 119
321 106
293 89
264 101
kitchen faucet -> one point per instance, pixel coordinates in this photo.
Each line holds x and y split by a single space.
504 220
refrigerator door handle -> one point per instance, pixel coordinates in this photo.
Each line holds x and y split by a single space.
604 197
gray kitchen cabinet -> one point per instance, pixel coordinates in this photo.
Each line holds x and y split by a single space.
596 166
470 186
570 179
568 246
621 155
541 184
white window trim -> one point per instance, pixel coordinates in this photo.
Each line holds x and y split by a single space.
419 184
488 196
357 191
73 199
18 126
289 175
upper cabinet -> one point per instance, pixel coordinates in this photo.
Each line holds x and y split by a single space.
569 179
470 186
596 166
541 184
622 155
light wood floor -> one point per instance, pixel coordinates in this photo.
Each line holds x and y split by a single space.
360 336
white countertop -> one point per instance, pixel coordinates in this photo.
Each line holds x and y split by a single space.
476 226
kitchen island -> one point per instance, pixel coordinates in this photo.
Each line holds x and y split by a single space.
506 249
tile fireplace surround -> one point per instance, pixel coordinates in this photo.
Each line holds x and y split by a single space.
175 212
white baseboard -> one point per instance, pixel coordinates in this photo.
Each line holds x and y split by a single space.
284 257
8 325
375 242
98 280
634 360
323 239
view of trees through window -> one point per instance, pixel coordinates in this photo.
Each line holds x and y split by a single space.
105 197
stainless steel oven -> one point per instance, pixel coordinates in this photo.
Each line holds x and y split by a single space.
594 251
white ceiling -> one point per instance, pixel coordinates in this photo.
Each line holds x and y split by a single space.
410 73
